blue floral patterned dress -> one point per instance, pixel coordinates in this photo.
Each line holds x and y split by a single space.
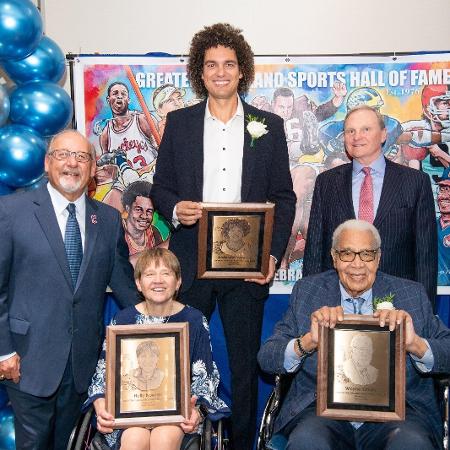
204 373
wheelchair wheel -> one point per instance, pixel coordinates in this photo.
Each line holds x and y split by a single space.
82 434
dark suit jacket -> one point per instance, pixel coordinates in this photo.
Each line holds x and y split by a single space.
310 294
405 219
179 176
41 317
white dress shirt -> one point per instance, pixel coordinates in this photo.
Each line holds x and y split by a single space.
223 147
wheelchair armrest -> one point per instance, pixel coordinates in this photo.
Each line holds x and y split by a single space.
442 384
273 405
442 380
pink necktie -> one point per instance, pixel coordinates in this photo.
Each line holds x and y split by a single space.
366 197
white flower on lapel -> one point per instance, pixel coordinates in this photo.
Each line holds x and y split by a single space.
386 302
256 128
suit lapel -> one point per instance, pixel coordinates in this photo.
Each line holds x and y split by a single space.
344 189
392 182
332 291
195 147
90 237
380 288
46 217
248 159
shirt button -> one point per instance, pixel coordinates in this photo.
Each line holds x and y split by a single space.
223 129
224 189
224 169
223 148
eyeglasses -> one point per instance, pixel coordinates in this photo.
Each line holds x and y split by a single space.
349 255
62 155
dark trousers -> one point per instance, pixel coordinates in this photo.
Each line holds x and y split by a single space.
310 432
241 316
45 423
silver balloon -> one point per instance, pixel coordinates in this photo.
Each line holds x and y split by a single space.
4 105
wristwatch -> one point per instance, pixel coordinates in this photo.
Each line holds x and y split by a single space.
202 411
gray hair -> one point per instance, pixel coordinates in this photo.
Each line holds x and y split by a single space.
90 146
355 225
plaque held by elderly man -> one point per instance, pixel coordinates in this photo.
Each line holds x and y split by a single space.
234 240
147 374
361 371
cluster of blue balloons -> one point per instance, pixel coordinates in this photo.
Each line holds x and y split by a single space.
37 107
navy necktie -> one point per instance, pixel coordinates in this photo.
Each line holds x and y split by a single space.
357 305
72 241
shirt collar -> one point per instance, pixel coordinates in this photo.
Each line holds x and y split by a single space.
60 202
239 111
379 165
367 295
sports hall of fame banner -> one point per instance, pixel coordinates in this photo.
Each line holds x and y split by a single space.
122 102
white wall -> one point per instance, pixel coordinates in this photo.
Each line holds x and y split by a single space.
271 27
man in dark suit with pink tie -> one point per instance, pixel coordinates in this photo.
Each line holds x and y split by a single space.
396 199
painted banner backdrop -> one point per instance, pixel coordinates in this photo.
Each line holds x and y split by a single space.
122 102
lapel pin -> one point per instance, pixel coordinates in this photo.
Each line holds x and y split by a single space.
94 219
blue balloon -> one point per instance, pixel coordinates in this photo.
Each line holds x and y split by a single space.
35 184
46 63
20 28
41 105
22 153
7 435
5 190
4 105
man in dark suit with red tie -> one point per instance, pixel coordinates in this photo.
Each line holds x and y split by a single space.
398 200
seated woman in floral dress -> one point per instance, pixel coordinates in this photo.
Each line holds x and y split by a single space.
158 278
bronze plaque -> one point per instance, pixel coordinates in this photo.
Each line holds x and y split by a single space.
361 371
147 374
234 240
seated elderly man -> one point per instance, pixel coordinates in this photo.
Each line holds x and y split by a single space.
324 299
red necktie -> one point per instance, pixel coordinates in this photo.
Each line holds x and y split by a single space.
366 197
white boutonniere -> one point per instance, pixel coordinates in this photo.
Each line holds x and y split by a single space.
386 302
256 128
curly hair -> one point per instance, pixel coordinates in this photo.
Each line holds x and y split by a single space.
239 223
225 35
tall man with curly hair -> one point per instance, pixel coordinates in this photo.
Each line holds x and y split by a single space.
207 155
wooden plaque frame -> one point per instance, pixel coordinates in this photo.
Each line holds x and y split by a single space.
135 404
213 263
327 406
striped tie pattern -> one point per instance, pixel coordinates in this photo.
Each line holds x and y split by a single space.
358 305
72 242
366 197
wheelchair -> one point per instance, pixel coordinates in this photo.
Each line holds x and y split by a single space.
85 436
267 440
